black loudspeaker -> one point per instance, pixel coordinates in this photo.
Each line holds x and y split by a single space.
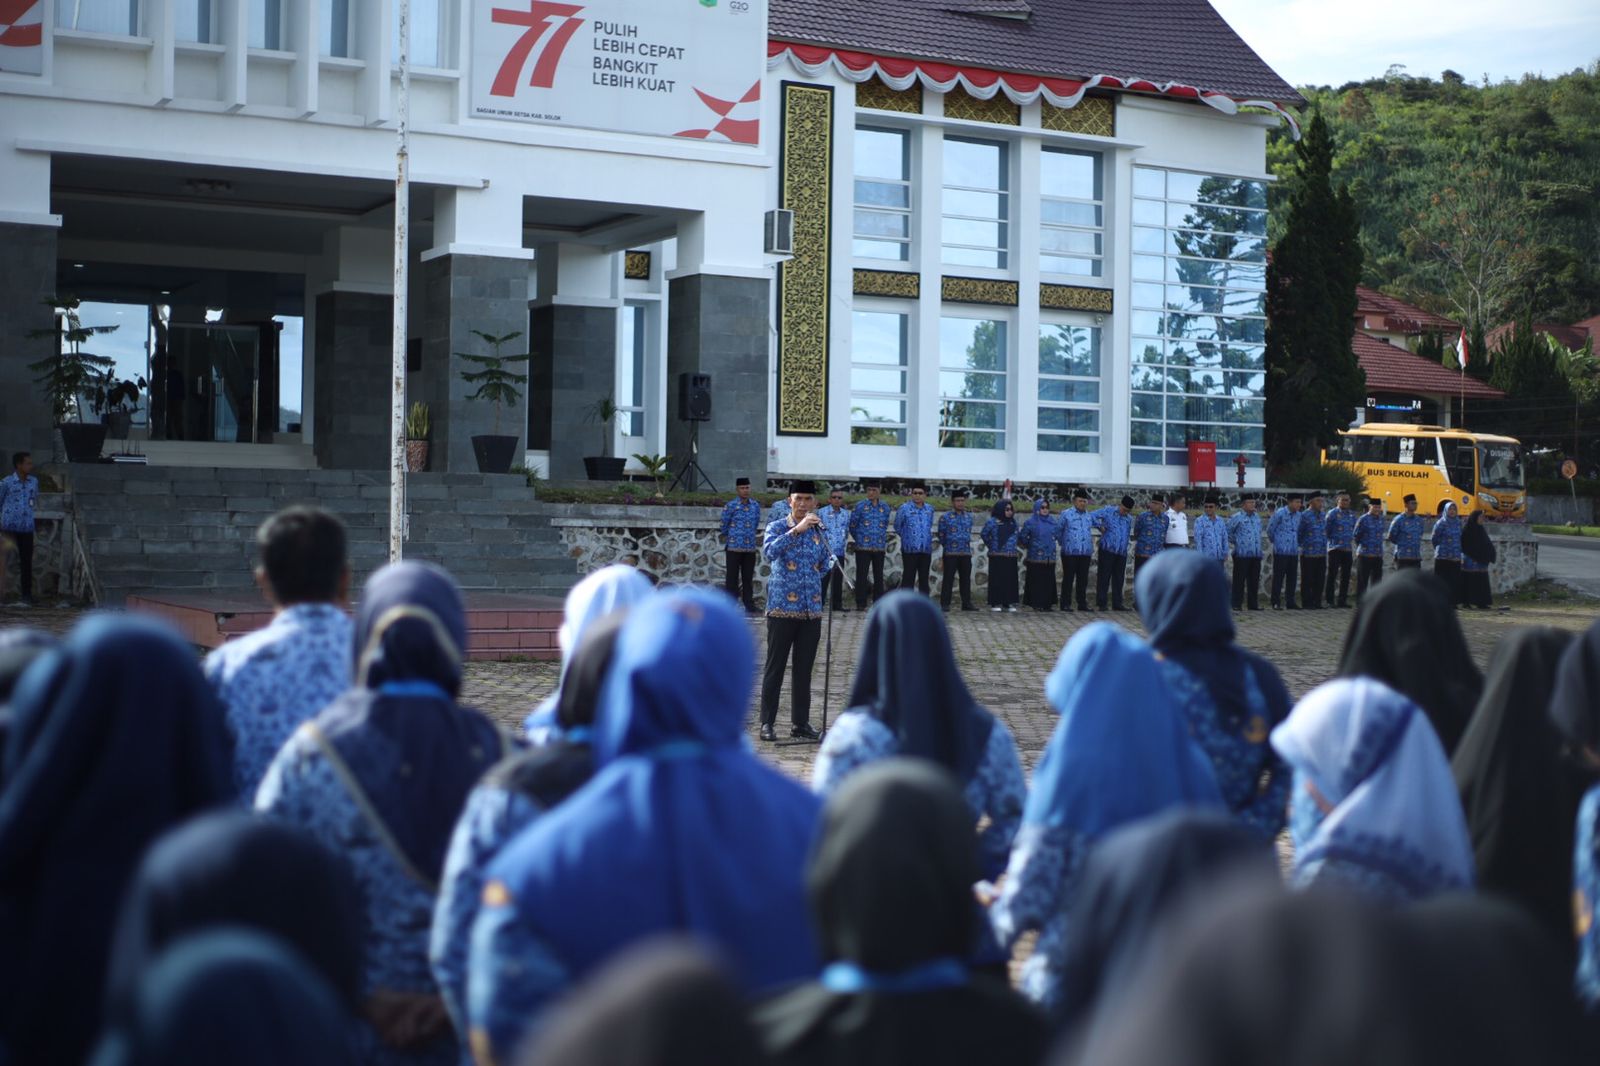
694 397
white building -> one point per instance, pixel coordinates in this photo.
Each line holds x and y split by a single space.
1061 282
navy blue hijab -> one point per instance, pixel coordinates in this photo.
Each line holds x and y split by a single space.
415 753
1008 526
116 737
907 679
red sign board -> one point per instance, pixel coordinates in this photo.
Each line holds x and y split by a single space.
1202 461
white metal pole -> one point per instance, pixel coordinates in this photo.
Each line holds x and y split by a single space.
402 271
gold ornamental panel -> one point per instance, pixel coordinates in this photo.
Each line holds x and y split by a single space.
877 96
978 291
636 266
1094 115
958 103
804 185
887 283
1075 298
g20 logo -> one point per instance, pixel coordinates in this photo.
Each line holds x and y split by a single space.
739 7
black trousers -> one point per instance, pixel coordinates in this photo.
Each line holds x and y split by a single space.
1408 564
914 568
24 561
1285 569
1313 575
1338 577
1449 571
742 577
833 586
1109 575
1247 582
1369 571
1075 571
956 566
864 561
797 638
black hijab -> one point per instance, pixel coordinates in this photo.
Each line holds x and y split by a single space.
1475 542
1008 526
907 679
1520 795
890 881
246 871
1406 635
1575 703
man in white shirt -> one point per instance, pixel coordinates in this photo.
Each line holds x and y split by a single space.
1177 523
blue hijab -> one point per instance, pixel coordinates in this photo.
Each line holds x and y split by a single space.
1007 526
1183 601
683 829
414 753
116 737
907 679
1122 750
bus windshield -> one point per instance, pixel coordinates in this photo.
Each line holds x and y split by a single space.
1500 466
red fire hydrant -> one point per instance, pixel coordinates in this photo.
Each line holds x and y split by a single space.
1240 462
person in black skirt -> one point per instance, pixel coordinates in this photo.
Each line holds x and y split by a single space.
1038 541
1000 537
1477 553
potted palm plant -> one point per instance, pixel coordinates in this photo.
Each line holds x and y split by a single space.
605 466
417 427
69 374
496 384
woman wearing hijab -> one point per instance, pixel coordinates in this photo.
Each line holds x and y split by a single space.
909 699
1000 538
1374 808
1038 541
1575 712
890 885
1231 698
1122 751
1477 553
1406 634
508 800
1520 794
380 776
607 590
115 738
1446 540
683 829
229 996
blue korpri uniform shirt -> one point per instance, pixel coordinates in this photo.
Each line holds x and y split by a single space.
1211 537
1244 535
1313 534
1075 532
1340 528
914 526
1115 528
1369 536
1149 534
1283 529
18 498
1038 538
1447 539
1406 532
955 533
991 538
837 525
794 589
869 525
741 525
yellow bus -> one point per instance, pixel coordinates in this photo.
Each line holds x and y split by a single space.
1476 471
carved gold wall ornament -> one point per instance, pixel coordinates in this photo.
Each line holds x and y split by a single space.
998 109
877 96
995 291
636 266
805 176
1094 115
887 283
1075 298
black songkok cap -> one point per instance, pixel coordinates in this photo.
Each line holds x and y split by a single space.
1080 495
804 488
1156 497
1314 495
1213 499
740 481
1247 497
1127 501
959 494
872 483
1374 501
1409 498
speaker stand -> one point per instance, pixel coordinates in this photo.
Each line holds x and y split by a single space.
689 476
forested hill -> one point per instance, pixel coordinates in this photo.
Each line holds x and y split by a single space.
1481 202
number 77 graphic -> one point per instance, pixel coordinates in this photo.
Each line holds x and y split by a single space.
537 19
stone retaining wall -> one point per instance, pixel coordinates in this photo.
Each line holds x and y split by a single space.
1559 510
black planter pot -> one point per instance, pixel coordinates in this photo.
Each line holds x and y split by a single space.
494 453
118 424
83 440
604 467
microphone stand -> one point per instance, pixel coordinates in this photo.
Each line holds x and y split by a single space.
827 654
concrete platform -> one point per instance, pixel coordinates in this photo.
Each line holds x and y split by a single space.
500 625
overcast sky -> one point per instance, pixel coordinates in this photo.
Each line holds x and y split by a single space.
1313 42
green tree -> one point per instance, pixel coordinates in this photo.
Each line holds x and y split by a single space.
1538 396
1314 383
1582 371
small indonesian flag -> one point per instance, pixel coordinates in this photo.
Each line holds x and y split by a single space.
1461 349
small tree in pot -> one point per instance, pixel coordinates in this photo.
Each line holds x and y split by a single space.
603 467
69 374
115 401
498 385
417 427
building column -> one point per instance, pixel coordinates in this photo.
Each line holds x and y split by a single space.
574 325
350 315
27 279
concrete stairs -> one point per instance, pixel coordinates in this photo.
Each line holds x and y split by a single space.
192 529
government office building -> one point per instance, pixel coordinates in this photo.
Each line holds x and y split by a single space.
1028 235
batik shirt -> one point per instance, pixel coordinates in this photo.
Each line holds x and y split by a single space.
1115 528
277 678
837 526
794 589
991 538
1313 533
997 789
18 498
1283 529
1043 875
779 509
955 532
1340 528
1149 534
914 526
869 525
741 525
1406 532
1369 536
1586 892
1075 532
1447 540
1244 535
1038 538
1211 537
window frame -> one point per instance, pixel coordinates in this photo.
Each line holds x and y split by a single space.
902 428
1057 321
328 16
1002 251
1006 375
1097 258
909 182
629 361
135 19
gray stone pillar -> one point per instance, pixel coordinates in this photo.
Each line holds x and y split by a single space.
27 279
351 380
718 325
462 293
576 346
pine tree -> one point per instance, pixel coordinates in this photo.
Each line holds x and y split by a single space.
1538 405
1314 383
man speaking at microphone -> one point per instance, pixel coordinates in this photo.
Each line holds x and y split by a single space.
797 547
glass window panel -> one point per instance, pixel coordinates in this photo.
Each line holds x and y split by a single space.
1054 390
1184 186
1148 458
972 343
879 250
966 231
1148 212
1146 405
266 24
1070 240
882 153
883 194
1081 445
978 204
972 386
974 257
120 17
1146 350
1146 323
974 164
334 27
1070 350
1069 419
1249 357
960 414
1147 434
1148 378
961 439
1151 267
1069 213
1177 380
879 435
1149 240
193 20
882 224
425 26
877 380
1067 173
1247 384
877 409
1056 264
1147 295
878 337
1148 181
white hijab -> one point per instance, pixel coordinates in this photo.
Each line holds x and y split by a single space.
601 593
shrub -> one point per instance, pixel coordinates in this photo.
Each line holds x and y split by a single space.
1331 478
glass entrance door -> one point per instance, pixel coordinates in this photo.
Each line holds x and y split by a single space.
213 382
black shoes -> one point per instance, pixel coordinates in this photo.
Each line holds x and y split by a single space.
804 732
768 733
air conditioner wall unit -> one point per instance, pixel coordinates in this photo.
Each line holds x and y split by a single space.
779 232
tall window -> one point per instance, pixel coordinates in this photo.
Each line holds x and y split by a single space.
195 20
335 27
1199 314
972 383
1071 213
427 26
630 371
1069 388
878 378
976 207
883 194
120 17
266 25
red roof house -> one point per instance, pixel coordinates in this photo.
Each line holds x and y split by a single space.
1391 368
1378 312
